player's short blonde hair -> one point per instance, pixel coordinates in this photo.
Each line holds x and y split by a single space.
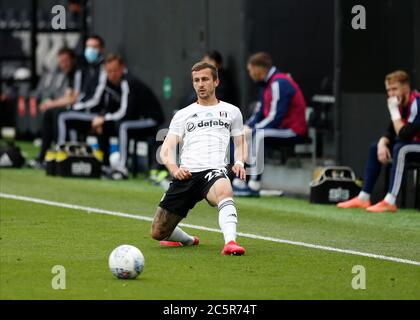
204 65
398 76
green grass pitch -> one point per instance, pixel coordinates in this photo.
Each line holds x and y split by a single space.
36 237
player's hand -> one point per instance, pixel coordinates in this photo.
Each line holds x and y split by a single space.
393 107
181 174
384 155
239 170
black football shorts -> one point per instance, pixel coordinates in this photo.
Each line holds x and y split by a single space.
183 195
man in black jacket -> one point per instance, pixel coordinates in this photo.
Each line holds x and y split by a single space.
126 107
93 69
82 81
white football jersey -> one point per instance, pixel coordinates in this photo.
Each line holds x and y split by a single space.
205 133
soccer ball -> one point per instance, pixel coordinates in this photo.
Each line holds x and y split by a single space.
126 262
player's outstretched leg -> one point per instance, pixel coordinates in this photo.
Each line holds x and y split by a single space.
165 230
228 220
221 195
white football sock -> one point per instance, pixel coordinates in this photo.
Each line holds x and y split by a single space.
228 219
180 236
364 196
391 199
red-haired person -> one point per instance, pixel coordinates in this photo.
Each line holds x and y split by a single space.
399 144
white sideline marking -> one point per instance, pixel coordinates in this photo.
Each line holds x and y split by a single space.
246 235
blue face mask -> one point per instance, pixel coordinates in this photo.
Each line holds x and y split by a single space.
91 54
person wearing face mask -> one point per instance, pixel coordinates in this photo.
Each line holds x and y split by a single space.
125 107
280 115
399 144
94 84
93 69
91 82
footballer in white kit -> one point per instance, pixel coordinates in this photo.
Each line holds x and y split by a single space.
203 132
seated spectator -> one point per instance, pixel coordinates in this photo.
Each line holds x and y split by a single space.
65 93
69 89
126 107
280 114
79 83
94 75
400 143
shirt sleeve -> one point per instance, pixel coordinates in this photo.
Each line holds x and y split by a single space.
121 112
256 117
412 128
237 128
409 131
177 125
390 132
91 100
282 94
